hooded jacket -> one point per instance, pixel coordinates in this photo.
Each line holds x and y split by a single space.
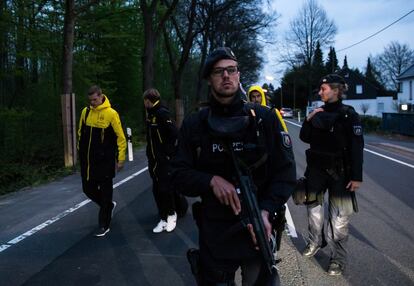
161 139
264 103
101 141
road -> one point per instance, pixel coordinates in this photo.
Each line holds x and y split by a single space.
46 232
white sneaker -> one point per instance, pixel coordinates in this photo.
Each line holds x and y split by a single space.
161 226
171 222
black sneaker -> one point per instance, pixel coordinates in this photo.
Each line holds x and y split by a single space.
102 232
311 249
335 269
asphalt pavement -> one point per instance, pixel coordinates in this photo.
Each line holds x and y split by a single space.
46 232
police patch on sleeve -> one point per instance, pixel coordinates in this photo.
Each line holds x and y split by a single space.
358 130
287 142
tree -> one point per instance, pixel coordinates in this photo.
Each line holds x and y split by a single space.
365 107
318 68
372 75
306 30
237 24
392 62
332 61
185 31
345 65
71 13
154 18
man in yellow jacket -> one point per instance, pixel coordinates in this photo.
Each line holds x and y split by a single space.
256 95
101 148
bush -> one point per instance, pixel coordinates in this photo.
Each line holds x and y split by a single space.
371 123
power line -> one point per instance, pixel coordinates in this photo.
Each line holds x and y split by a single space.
376 32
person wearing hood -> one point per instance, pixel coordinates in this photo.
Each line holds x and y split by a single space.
334 163
211 141
101 148
256 95
161 147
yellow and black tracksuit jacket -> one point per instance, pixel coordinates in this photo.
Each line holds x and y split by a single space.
264 103
101 141
161 140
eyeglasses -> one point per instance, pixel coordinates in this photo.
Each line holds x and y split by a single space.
231 70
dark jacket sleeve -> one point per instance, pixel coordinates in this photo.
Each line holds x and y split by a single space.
282 175
185 177
356 147
305 131
168 131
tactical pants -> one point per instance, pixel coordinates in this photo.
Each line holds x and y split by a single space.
221 272
163 193
340 209
100 192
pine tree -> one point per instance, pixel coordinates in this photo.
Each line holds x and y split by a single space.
345 65
332 62
318 68
371 74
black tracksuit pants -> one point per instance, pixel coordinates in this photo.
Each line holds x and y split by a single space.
100 192
163 193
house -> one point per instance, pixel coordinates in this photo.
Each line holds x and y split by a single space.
405 91
365 97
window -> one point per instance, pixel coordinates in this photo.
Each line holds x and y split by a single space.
380 107
358 89
411 90
400 87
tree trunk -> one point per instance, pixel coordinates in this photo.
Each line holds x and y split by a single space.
68 39
3 54
148 58
19 82
66 97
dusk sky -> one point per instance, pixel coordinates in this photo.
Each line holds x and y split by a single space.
355 20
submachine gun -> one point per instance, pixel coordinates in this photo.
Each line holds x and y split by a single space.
247 193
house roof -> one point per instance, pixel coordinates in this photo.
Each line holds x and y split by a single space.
352 78
409 72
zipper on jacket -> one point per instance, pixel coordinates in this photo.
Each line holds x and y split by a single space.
89 148
102 135
152 148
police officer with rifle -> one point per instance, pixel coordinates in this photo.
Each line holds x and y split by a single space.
334 163
234 156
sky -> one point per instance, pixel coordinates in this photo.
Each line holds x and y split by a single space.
355 20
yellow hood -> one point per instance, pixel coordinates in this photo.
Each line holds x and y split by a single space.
260 90
105 104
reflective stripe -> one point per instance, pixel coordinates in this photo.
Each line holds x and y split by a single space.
282 122
159 136
89 148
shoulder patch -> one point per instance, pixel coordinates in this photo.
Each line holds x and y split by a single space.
357 130
286 141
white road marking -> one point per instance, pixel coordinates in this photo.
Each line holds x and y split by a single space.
28 233
370 151
14 241
389 158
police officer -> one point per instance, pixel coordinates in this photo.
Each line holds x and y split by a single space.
161 146
334 162
203 167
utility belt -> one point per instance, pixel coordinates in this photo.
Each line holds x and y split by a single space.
324 160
